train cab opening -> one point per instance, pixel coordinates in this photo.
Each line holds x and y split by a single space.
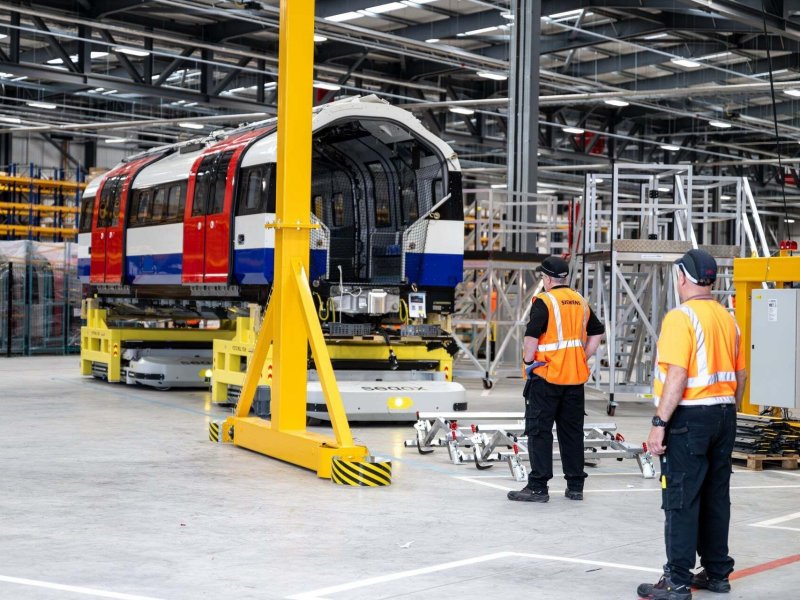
372 180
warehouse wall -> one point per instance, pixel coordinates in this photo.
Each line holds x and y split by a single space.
31 148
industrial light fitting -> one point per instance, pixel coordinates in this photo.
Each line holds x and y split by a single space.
670 147
462 110
685 62
720 124
615 102
575 130
491 75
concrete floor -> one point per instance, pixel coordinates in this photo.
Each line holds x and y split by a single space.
115 492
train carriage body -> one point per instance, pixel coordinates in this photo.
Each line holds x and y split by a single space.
189 220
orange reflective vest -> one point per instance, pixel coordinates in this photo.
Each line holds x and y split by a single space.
702 337
561 345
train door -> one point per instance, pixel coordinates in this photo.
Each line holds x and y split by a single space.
107 234
207 226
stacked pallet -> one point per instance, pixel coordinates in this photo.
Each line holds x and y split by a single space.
766 435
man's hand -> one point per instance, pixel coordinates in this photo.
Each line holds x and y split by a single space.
655 441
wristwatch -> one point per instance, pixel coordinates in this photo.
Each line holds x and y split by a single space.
658 421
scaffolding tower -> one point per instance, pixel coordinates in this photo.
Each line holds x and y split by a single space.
638 220
507 237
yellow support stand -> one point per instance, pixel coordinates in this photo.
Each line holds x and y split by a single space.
103 344
748 275
231 356
285 436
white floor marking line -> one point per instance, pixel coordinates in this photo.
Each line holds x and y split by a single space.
773 523
777 527
486 483
74 589
777 520
617 490
320 594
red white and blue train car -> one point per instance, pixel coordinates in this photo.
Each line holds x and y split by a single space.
188 221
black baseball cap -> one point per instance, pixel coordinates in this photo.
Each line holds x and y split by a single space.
699 267
554 266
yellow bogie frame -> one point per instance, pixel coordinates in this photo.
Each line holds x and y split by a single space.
103 344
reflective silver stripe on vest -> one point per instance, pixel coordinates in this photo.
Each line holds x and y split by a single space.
700 338
556 316
703 378
560 345
706 380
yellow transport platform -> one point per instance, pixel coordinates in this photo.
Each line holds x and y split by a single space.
102 346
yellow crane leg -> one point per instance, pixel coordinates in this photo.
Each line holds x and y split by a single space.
291 305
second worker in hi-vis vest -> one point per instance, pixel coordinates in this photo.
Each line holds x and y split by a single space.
561 335
698 384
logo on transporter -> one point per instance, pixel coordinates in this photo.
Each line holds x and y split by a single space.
393 388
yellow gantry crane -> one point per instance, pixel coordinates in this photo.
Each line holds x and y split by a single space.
291 322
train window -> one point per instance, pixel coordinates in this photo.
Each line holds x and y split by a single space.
256 193
217 201
87 208
317 207
251 191
337 203
380 190
116 200
104 210
159 205
176 197
141 207
202 185
410 206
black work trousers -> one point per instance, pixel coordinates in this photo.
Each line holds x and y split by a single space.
695 490
546 403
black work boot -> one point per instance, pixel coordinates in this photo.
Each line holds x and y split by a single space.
703 582
573 494
527 494
664 590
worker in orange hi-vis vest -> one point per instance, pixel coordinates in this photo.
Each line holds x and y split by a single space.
698 385
562 333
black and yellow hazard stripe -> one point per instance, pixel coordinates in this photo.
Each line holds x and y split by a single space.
367 472
214 431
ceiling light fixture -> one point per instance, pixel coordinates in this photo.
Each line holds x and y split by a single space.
491 75
615 102
384 8
792 92
190 125
724 197
97 54
575 130
432 40
670 147
324 85
656 36
685 62
720 124
45 105
479 31
461 110
320 38
509 16
347 16
132 51
118 140
12 120
499 186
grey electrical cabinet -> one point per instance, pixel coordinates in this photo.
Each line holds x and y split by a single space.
774 356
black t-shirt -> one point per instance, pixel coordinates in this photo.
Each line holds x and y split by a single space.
540 314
